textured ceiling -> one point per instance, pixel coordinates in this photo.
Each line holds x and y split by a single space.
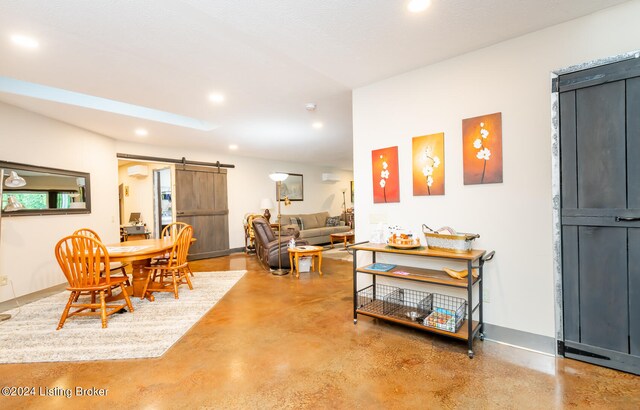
269 58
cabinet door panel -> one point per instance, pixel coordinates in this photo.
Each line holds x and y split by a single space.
633 142
569 154
571 283
602 180
634 291
603 288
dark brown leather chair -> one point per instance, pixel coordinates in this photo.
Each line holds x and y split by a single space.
267 244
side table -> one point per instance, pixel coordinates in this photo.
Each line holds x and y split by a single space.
342 236
312 251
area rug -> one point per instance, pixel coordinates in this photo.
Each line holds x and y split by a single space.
31 336
337 253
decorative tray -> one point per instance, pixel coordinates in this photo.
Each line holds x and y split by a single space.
401 246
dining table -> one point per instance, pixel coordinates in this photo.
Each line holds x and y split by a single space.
139 253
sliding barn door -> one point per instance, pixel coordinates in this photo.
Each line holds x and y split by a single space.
201 201
600 186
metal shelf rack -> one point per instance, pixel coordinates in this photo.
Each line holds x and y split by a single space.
474 259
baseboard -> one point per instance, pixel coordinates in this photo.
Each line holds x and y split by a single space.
518 338
31 297
216 254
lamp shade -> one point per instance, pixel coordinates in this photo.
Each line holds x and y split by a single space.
266 203
278 176
14 180
13 205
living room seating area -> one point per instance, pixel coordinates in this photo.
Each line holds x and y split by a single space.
315 228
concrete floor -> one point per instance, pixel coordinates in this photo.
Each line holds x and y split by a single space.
278 342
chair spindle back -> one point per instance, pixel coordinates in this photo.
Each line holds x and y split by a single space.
80 258
173 229
88 232
181 246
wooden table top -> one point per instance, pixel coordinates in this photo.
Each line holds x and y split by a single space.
421 251
306 248
138 249
342 234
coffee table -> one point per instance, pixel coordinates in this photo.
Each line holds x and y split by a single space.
342 237
307 250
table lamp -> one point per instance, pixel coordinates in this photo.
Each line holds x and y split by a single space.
266 204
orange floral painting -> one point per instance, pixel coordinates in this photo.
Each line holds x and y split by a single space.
482 149
428 165
386 181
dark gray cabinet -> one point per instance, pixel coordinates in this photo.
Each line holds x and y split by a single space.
600 214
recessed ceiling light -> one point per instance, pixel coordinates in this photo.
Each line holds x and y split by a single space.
417 6
317 125
233 147
141 132
24 41
216 98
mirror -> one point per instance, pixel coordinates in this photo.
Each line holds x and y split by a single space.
33 190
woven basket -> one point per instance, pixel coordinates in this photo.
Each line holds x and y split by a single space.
459 243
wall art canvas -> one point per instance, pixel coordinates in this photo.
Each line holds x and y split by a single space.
482 149
292 188
386 181
428 165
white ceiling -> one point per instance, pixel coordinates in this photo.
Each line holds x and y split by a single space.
269 58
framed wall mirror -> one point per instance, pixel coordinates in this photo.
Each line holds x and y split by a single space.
32 190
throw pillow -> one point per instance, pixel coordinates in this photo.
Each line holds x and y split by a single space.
333 221
298 221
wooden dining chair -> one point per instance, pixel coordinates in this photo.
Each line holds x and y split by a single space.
81 259
176 268
115 266
171 231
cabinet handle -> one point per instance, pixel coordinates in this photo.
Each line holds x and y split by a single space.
627 218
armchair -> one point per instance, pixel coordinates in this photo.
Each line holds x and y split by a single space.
267 243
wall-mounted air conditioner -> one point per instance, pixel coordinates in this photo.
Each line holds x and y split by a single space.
327 177
138 171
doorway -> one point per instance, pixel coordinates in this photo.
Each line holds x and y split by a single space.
142 187
598 214
162 207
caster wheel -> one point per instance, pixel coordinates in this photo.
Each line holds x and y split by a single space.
355 321
481 336
470 354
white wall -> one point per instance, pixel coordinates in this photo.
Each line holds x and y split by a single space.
27 243
249 182
513 218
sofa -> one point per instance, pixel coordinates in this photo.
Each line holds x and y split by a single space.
313 227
